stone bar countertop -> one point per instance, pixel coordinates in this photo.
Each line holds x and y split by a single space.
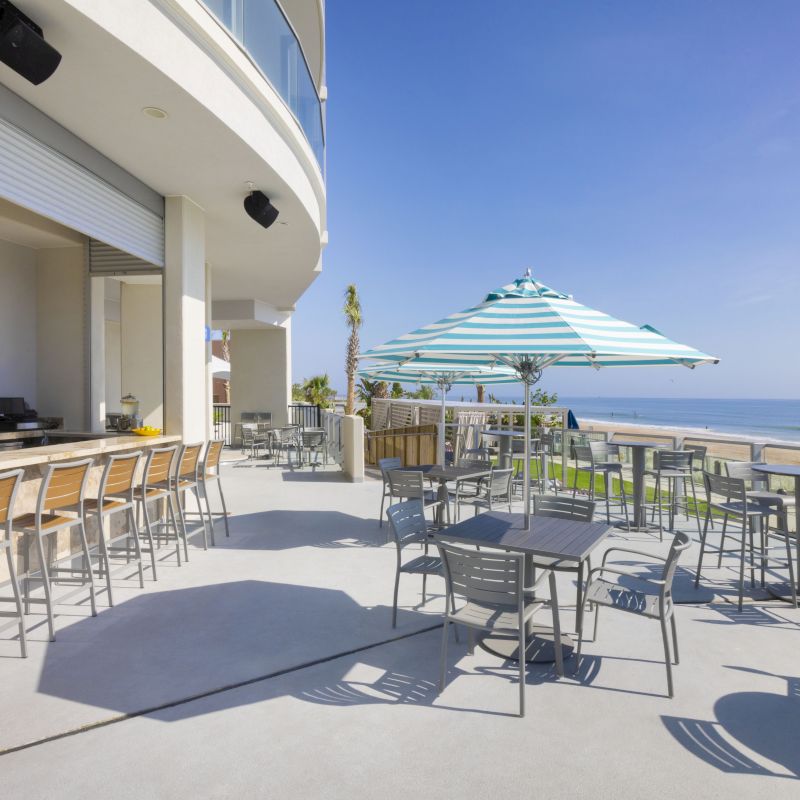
94 445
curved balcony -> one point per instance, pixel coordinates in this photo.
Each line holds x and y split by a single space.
263 31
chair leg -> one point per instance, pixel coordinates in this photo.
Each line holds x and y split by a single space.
722 541
742 556
667 657
133 532
556 628
696 508
790 561
149 534
224 508
204 493
196 493
12 572
424 584
48 596
88 559
703 538
674 626
521 661
394 604
443 672
657 500
174 522
103 557
383 498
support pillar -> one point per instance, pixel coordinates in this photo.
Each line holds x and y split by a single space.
185 367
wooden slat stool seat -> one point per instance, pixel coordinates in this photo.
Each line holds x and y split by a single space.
9 483
60 506
115 496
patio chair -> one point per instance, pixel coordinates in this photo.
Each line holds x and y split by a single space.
572 508
493 585
208 474
603 459
115 496
750 514
9 484
536 476
758 490
313 442
385 465
60 506
156 490
407 521
673 468
284 440
253 440
647 597
186 479
409 485
494 489
467 489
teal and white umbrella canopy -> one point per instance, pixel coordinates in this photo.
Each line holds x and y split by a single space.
528 327
443 376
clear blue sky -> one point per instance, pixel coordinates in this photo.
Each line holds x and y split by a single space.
644 157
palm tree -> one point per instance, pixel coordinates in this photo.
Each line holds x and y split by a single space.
481 390
317 391
354 320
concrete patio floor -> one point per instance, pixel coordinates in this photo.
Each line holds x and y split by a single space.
282 635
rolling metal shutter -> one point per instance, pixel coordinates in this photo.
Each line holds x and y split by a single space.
43 180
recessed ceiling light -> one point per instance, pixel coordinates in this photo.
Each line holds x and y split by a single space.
155 113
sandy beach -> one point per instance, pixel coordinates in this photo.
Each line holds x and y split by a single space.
719 445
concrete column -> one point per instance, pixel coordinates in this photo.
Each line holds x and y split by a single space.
185 370
97 354
141 369
353 448
209 372
261 377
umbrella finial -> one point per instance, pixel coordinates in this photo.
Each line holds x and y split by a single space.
528 273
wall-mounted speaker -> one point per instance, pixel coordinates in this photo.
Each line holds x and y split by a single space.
22 45
258 206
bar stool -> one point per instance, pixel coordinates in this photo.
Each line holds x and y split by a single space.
9 483
156 487
603 458
186 479
673 467
60 506
115 495
209 473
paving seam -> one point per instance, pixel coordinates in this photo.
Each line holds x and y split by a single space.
91 726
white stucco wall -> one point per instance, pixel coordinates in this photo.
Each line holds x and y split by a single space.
141 371
113 366
261 372
18 322
61 318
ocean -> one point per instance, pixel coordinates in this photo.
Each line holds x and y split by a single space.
777 420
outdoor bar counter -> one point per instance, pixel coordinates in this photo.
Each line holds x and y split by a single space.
34 462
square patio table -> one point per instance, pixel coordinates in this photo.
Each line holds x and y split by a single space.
548 537
445 474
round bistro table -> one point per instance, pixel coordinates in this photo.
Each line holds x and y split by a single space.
639 450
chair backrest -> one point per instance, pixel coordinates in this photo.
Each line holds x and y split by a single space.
680 544
158 466
313 438
673 459
474 463
476 454
248 433
387 464
563 507
518 446
188 461
64 485
482 576
732 489
604 451
119 475
406 483
699 452
500 482
213 453
744 470
9 483
407 521
582 452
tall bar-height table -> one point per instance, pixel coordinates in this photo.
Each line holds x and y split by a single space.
783 591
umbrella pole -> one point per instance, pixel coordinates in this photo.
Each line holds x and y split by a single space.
443 388
526 467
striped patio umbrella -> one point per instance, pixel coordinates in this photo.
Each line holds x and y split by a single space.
444 376
528 327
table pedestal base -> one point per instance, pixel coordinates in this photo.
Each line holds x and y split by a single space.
539 647
782 591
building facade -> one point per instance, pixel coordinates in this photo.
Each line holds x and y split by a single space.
123 234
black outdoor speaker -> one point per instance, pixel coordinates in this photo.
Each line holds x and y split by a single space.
258 206
22 46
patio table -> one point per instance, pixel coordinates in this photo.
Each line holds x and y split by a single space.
504 455
446 474
783 591
639 448
548 537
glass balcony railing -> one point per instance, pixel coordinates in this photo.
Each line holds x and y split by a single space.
263 31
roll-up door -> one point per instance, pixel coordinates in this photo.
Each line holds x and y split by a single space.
41 179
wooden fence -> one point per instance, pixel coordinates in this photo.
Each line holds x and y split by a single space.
414 445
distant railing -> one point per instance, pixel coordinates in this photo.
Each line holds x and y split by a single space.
305 415
331 422
222 422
